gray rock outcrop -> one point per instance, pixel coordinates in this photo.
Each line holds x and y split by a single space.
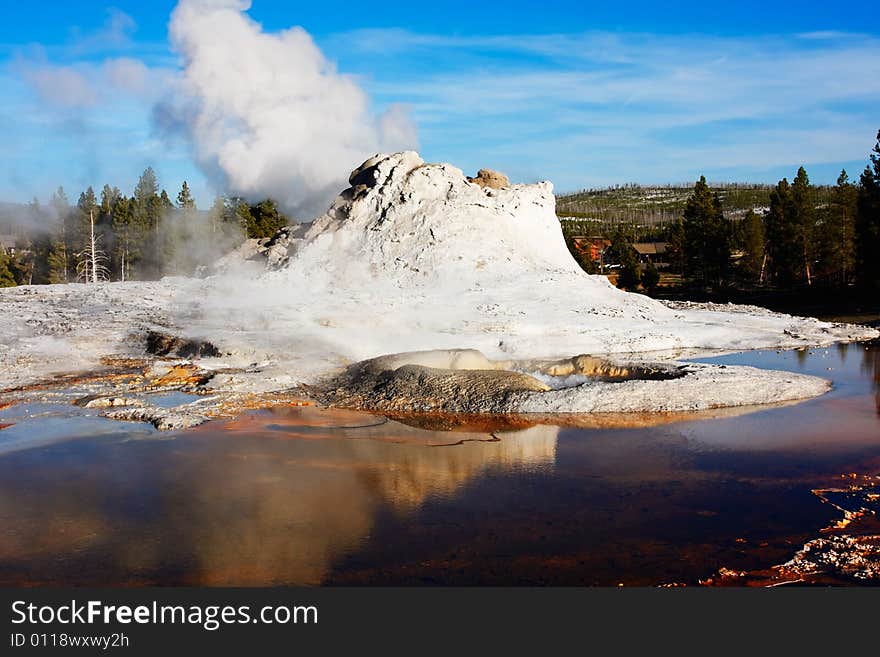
463 383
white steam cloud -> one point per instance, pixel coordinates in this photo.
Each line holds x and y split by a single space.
266 114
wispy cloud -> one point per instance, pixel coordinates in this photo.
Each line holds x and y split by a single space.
64 86
581 106
86 84
116 34
78 112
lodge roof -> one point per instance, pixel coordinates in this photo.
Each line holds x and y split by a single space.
650 248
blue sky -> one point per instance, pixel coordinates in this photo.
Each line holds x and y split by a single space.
583 94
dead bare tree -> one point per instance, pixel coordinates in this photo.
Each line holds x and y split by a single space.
91 265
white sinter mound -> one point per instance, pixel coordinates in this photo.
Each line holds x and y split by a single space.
412 257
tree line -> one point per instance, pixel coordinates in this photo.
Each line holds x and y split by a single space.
807 237
140 237
798 242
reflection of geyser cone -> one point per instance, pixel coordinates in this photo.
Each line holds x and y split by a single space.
412 476
284 513
294 530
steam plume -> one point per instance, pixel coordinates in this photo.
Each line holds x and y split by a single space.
266 113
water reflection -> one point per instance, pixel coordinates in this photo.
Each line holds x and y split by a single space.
309 496
252 503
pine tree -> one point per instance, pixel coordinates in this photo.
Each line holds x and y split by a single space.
104 225
868 222
87 200
165 203
630 275
165 236
621 251
241 213
146 188
58 263
59 202
752 263
836 232
145 202
146 213
42 245
226 227
109 196
782 236
86 208
185 200
804 207
60 253
791 224
217 215
707 236
675 251
650 277
126 234
265 219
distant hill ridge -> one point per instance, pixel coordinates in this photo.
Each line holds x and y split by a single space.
649 204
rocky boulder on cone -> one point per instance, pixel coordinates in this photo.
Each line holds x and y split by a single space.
491 179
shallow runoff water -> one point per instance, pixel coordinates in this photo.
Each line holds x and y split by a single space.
311 496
